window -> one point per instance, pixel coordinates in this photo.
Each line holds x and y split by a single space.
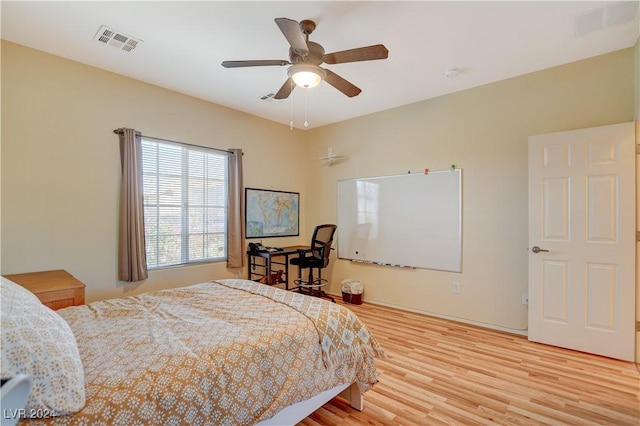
185 203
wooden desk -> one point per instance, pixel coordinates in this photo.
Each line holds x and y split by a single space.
266 267
55 289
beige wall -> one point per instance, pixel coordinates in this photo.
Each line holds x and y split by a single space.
60 164
59 186
484 131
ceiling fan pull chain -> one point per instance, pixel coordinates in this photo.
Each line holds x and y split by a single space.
306 91
291 108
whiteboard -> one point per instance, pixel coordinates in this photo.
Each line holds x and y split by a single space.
410 220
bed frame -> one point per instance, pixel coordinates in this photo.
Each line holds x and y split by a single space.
295 413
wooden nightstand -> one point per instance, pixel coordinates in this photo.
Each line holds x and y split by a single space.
55 289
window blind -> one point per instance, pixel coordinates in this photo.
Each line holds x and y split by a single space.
185 203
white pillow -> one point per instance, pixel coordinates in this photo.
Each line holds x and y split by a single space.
18 289
38 342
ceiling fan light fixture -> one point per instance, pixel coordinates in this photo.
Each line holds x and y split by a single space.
306 76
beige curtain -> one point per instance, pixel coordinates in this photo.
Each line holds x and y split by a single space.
132 257
235 238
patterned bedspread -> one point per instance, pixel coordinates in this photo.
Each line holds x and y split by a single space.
218 353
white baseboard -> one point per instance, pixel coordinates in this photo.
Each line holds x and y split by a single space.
448 317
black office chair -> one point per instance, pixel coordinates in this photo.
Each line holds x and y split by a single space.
316 258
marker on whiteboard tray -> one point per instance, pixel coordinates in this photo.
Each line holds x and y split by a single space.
426 171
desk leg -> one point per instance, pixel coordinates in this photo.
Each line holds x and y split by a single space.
286 272
268 269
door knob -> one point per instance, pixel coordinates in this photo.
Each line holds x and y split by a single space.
537 249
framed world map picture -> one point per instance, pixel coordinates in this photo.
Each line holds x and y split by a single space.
271 213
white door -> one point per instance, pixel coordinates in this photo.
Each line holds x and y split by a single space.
582 240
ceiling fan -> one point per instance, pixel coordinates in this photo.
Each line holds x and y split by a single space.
305 58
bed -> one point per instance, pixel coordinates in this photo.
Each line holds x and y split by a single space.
225 352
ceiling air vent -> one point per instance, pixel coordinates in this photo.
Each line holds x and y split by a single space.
620 13
116 39
588 22
271 98
610 15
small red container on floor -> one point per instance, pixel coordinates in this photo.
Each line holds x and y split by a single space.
354 299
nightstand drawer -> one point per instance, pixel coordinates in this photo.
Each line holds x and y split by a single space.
55 289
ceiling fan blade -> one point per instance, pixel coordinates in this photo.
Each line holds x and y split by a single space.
255 63
368 53
293 34
341 84
285 90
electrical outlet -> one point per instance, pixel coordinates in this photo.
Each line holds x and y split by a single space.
455 288
525 299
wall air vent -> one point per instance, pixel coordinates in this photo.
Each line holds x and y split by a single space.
116 39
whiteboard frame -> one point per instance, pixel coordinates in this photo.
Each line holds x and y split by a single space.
455 265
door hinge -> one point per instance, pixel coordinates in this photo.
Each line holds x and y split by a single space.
637 325
637 235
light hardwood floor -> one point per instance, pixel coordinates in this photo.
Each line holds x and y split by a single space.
443 372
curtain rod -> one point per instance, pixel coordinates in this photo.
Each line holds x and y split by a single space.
119 132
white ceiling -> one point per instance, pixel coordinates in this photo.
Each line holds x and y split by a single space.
184 43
